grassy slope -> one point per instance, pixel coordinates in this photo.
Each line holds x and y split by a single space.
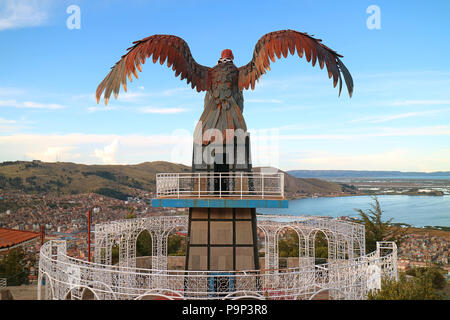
78 178
69 178
308 185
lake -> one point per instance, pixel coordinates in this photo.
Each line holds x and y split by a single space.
417 211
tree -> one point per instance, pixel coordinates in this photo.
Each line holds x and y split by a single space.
288 245
377 229
437 278
176 245
15 267
144 244
320 248
419 287
115 254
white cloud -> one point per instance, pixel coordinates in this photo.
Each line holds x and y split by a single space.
171 92
36 105
104 108
5 121
131 96
382 132
94 148
11 91
420 102
51 154
161 110
22 13
108 153
400 159
9 126
263 101
30 105
385 118
135 96
177 147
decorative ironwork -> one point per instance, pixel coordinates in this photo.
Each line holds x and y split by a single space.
348 274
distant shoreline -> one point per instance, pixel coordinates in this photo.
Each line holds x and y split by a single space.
430 194
423 225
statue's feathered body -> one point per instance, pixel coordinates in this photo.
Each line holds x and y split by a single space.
224 82
224 102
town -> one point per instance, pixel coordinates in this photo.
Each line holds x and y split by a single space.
65 217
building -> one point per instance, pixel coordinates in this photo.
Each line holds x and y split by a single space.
10 238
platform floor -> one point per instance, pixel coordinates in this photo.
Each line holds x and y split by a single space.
214 202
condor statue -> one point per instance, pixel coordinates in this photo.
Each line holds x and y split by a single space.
223 191
224 82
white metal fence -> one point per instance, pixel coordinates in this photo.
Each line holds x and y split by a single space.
64 277
220 185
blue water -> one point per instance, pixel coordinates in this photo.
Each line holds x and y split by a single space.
417 211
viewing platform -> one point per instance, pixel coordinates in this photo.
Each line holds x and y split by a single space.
220 190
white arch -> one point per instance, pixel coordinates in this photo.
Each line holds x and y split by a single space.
47 280
245 295
157 293
300 237
325 289
82 292
312 241
138 234
347 278
109 289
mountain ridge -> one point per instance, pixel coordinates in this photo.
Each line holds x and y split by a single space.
119 181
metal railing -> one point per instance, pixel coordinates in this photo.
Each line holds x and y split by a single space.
3 282
64 277
220 185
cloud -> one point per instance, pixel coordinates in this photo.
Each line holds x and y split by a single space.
161 110
263 101
108 153
380 132
30 105
420 102
171 92
96 148
177 147
385 118
9 126
131 96
11 91
105 108
5 121
400 159
51 154
22 13
137 96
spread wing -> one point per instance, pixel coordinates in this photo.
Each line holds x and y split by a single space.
163 47
280 43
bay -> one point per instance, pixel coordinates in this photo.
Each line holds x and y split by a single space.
417 211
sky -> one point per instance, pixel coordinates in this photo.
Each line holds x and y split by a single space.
54 53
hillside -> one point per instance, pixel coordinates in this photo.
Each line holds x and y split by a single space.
323 174
71 178
309 186
116 180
